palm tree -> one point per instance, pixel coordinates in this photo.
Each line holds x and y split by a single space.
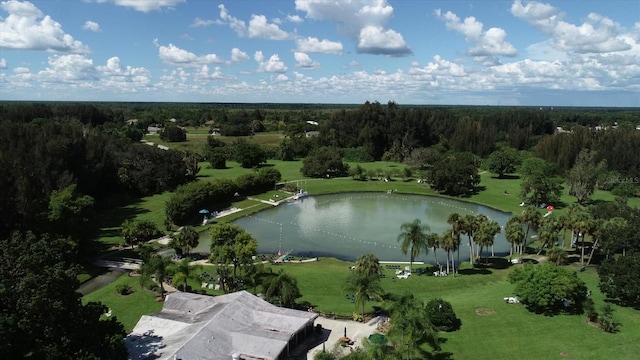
408 329
586 225
365 288
368 265
283 289
183 271
547 234
433 242
449 243
514 233
188 238
414 240
614 225
485 235
157 265
530 217
470 228
558 255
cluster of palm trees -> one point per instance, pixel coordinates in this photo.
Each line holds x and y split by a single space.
415 238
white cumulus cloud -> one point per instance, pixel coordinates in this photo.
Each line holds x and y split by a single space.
598 34
365 21
91 25
144 5
487 44
3 63
235 24
273 64
238 55
294 18
260 28
176 56
314 45
304 61
197 22
27 28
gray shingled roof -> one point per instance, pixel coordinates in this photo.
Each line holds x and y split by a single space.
192 326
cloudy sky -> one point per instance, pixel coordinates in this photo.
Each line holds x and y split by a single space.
489 52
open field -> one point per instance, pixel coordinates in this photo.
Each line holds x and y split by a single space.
491 329
197 138
127 308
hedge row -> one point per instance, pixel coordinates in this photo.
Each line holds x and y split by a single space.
184 205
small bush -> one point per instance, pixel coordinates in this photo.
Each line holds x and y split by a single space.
124 289
442 316
607 322
590 309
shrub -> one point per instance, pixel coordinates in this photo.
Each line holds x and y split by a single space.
607 322
442 316
124 289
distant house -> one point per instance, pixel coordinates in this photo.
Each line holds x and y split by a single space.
215 131
311 133
312 122
132 121
210 122
153 129
173 120
239 325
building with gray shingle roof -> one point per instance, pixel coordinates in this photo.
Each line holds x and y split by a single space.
192 326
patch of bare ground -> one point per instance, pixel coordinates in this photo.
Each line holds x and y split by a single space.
484 312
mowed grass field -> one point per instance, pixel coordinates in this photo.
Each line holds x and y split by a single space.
491 328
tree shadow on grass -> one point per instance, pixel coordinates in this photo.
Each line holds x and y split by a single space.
505 177
476 271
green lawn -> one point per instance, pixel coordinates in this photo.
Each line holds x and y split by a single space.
129 308
500 331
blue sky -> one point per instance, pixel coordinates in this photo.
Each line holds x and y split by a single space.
511 52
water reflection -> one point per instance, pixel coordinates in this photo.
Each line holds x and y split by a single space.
348 225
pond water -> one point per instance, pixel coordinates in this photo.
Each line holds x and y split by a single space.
348 225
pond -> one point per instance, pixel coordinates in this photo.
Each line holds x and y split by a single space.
348 225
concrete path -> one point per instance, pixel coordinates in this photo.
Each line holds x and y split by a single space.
356 331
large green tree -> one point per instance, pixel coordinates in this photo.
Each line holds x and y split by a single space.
514 233
410 327
368 265
548 289
282 289
503 161
365 287
455 174
41 314
413 240
249 155
583 176
231 244
620 279
324 162
539 186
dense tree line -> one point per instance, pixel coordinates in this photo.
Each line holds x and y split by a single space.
392 132
39 158
185 203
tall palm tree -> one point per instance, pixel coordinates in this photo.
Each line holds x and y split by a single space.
188 238
514 233
157 265
283 289
612 226
364 287
414 240
470 228
586 225
485 235
477 222
530 217
368 265
183 271
433 242
547 234
557 254
449 243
